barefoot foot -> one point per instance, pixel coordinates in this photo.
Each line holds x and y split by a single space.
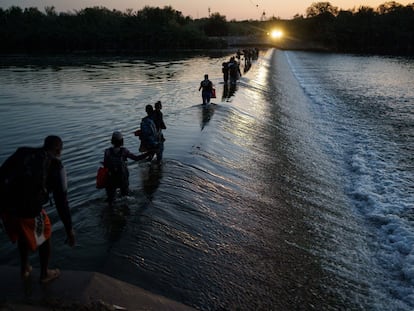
51 275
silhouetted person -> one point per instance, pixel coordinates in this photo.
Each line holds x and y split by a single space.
207 87
27 177
115 159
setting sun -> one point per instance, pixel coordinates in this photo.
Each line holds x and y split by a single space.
276 34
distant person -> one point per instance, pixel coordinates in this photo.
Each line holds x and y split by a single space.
27 178
207 87
115 159
225 71
158 119
255 53
234 70
150 140
247 59
238 54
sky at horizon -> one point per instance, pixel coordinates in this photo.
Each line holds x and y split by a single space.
232 9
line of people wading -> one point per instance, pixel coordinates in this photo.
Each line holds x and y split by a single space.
231 74
31 174
231 69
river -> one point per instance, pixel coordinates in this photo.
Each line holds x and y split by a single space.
292 191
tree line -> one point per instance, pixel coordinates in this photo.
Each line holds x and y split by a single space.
98 29
386 29
389 29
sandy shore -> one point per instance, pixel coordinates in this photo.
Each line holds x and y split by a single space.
77 290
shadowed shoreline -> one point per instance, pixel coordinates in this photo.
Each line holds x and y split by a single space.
77 290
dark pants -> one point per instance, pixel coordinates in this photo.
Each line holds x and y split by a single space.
206 95
117 180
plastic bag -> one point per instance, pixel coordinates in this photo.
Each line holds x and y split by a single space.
102 177
213 93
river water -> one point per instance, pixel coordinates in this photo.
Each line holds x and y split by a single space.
292 191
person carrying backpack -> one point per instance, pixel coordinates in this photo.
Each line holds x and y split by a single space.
27 178
207 88
115 159
150 137
234 70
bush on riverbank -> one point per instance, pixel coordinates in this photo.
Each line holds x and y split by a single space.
388 29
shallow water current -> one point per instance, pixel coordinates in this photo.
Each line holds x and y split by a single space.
292 191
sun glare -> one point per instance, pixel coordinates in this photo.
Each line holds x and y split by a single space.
276 34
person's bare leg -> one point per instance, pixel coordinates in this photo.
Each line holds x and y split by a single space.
46 274
25 267
44 255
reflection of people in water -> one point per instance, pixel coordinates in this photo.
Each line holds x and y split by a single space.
114 221
228 91
232 90
151 180
225 92
207 113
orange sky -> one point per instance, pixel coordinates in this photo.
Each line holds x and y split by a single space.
232 9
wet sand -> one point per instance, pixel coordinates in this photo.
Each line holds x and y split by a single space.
77 290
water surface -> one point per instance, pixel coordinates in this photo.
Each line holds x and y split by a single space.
292 191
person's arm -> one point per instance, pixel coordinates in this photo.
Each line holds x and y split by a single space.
162 124
133 156
61 199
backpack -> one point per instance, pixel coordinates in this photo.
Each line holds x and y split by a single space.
23 182
207 85
148 131
115 162
233 69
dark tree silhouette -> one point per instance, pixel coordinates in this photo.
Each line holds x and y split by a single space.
388 29
321 8
216 25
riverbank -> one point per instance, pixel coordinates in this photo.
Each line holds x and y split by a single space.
77 290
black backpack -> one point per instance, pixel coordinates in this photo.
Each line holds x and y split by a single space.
233 69
23 182
207 85
116 163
